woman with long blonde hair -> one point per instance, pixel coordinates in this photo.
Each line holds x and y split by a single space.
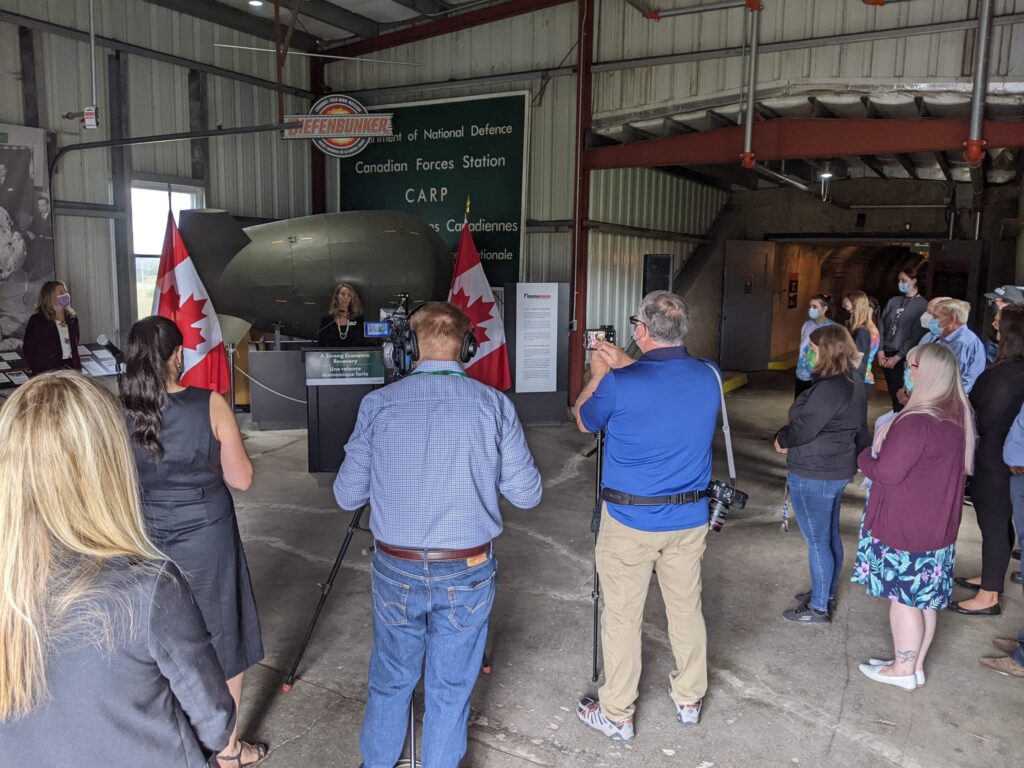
343 325
865 333
105 656
917 465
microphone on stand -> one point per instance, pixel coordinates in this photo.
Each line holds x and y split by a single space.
104 342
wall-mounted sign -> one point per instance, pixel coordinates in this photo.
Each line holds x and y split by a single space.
339 126
441 153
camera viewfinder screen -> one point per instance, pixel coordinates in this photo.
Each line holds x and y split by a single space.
379 330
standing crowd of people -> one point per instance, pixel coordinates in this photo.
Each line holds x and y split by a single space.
955 433
122 568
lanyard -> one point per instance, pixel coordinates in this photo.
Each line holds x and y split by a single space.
439 373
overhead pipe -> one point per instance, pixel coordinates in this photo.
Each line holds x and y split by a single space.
92 50
658 15
747 158
780 178
975 144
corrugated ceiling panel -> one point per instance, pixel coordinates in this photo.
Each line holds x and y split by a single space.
158 103
148 25
257 174
10 76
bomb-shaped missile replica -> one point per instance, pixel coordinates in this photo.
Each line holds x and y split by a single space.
283 274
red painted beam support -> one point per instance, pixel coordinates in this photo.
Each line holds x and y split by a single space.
445 26
803 138
318 160
581 198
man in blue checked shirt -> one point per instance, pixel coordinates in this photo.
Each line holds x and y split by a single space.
431 453
947 324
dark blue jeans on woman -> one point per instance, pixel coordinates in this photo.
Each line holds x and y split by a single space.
816 505
429 618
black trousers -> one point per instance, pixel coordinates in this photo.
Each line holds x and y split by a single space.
990 492
894 381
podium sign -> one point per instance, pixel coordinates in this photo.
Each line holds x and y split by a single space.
341 367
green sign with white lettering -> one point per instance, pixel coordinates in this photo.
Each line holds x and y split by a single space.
344 366
441 153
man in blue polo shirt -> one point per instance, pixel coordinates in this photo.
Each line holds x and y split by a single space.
659 415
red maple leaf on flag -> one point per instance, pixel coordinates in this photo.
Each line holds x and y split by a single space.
189 315
479 312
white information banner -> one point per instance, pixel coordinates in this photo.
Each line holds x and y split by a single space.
536 337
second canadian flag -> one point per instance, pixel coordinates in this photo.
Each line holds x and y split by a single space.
472 293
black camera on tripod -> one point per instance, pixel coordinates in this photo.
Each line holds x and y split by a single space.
722 498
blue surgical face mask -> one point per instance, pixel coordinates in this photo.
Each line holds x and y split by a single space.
934 327
904 287
814 313
907 383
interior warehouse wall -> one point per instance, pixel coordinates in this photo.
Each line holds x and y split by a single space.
252 176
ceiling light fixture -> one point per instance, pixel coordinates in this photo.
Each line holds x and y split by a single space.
256 3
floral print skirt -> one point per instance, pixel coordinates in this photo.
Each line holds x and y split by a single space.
918 579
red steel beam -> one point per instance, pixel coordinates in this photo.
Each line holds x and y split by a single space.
794 139
581 198
445 26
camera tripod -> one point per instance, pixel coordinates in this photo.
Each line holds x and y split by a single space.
325 589
595 526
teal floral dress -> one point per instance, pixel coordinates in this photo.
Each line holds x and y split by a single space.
918 579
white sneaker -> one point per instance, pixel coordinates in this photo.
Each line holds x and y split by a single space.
873 672
919 674
687 714
589 712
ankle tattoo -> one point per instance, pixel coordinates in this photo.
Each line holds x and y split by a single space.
906 656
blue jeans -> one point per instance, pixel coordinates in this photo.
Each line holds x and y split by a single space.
425 612
816 505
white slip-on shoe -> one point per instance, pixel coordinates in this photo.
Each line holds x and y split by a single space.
921 680
906 682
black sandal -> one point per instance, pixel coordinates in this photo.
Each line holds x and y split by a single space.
258 748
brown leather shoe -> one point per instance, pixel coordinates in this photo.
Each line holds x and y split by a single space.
1004 665
1006 645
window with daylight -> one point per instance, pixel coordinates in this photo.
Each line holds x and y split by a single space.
150 202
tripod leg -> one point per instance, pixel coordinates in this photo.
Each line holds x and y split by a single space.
325 590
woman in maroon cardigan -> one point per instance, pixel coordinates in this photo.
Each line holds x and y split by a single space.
917 467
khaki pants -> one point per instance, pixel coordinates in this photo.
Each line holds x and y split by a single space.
625 560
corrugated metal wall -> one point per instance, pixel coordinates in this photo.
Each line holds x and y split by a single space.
639 197
257 176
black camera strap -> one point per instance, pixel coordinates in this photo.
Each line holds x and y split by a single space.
628 499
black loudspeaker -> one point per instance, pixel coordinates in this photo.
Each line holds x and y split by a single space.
657 272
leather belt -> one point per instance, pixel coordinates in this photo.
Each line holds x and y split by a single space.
438 555
629 500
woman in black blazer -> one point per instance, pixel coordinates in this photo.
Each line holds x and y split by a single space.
343 325
52 334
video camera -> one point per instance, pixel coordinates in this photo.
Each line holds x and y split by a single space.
397 335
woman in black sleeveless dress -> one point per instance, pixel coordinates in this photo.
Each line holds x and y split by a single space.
188 449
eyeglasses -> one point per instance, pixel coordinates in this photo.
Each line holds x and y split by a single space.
635 320
915 365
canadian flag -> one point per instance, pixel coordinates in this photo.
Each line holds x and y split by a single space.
472 294
181 297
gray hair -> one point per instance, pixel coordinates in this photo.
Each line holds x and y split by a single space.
666 316
961 310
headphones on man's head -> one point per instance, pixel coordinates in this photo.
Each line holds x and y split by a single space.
469 343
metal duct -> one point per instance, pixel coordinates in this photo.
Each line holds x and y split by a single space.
748 123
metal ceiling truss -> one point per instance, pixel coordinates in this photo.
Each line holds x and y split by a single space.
329 13
226 16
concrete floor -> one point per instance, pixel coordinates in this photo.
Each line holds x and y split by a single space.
781 694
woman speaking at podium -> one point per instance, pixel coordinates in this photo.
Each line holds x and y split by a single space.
343 325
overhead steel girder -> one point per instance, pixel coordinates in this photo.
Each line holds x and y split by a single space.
226 16
329 13
447 25
802 138
426 7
